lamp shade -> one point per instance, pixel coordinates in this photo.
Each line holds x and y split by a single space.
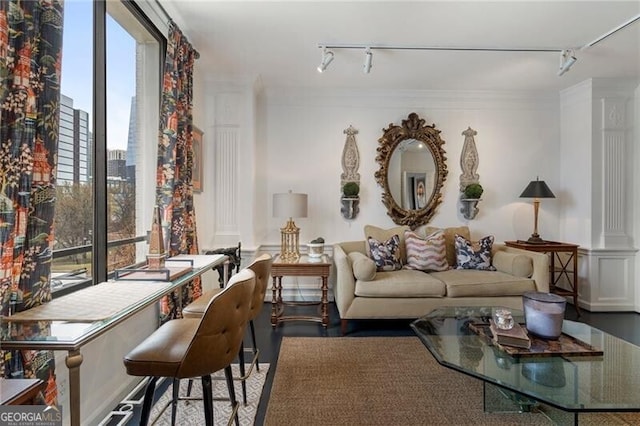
537 189
289 204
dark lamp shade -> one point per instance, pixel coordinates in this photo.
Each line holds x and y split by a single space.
537 189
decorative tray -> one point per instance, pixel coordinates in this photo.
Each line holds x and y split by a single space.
565 345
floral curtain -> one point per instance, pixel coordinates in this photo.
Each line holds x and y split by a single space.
174 192
30 58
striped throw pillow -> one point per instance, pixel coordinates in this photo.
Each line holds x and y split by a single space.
427 254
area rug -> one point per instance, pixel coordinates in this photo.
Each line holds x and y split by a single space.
384 381
192 412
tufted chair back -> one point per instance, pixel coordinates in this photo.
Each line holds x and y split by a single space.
261 266
219 335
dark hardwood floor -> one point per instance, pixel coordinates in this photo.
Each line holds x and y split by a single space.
624 325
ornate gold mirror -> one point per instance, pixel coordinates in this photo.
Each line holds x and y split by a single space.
412 170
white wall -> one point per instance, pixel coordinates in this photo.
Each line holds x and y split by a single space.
518 139
103 378
598 120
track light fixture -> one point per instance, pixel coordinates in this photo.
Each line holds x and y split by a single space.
368 56
567 56
327 57
567 59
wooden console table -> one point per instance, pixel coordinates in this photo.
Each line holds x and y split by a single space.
19 391
559 266
304 267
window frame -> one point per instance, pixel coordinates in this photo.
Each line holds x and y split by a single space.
100 244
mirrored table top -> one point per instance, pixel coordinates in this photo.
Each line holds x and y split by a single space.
70 331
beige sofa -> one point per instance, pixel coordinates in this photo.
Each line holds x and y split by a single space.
363 293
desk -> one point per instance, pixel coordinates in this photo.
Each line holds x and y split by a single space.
70 336
19 391
305 266
559 267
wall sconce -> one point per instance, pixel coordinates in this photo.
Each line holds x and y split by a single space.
536 189
289 205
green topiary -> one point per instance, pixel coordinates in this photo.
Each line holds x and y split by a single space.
473 190
351 189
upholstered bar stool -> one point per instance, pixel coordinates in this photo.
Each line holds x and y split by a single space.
261 266
197 347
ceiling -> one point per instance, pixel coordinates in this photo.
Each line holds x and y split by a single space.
276 43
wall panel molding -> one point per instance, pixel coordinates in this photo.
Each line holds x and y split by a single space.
615 173
606 281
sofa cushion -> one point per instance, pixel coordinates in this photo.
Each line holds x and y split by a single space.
364 268
386 254
449 237
474 255
426 253
515 264
381 234
403 283
471 283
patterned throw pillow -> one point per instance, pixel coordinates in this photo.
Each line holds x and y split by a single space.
386 255
426 253
474 255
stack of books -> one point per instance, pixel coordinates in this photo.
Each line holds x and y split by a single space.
516 336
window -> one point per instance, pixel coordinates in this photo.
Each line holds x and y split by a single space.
107 142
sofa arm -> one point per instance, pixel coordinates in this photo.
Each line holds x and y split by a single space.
345 286
540 265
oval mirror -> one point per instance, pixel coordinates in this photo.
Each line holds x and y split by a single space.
412 170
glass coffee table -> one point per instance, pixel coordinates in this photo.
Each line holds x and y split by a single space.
560 386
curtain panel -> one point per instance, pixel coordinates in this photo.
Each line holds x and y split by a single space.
174 191
30 62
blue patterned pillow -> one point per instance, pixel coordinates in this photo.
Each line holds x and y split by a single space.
386 255
474 255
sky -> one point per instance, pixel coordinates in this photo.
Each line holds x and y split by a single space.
77 68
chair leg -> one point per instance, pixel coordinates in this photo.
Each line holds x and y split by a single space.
189 387
232 392
207 399
255 346
148 401
242 373
174 401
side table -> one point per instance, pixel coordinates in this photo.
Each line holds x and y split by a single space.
305 266
559 267
20 391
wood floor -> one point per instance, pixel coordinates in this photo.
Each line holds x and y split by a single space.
624 325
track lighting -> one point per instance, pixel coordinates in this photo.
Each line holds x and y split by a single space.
368 56
567 59
327 57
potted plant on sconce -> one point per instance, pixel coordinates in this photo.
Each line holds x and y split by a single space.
350 200
469 199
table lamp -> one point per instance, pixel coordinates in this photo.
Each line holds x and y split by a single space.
536 189
289 205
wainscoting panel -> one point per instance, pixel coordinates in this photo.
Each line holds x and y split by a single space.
608 284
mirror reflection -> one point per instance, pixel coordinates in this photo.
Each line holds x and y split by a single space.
412 170
411 174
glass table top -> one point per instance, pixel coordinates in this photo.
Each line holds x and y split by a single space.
609 382
56 334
